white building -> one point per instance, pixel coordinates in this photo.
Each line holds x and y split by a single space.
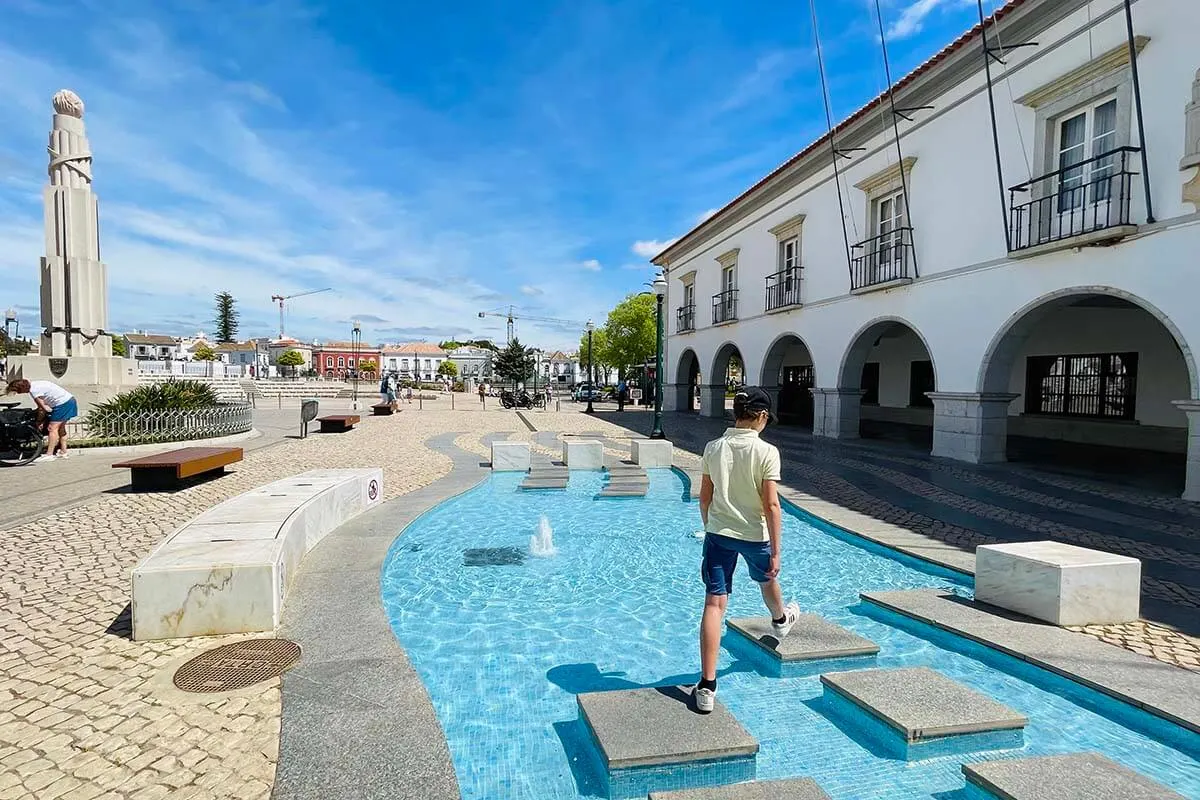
1054 301
145 346
472 362
418 361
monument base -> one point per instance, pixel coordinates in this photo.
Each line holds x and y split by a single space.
92 380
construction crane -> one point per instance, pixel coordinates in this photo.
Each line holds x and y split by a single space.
279 298
512 317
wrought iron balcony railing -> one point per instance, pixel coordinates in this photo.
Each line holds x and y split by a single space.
882 259
724 308
783 289
1084 198
685 318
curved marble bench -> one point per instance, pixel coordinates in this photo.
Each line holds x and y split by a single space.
228 570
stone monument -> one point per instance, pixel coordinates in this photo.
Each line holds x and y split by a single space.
76 348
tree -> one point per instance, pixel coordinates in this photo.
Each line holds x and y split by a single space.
450 344
204 353
367 365
600 357
448 368
513 363
290 358
629 333
13 347
227 318
118 346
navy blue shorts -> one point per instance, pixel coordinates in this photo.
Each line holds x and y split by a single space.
720 559
66 412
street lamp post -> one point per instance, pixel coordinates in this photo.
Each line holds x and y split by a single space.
660 291
591 375
356 339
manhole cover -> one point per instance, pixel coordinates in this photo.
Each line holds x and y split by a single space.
236 666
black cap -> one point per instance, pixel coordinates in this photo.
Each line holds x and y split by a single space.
751 400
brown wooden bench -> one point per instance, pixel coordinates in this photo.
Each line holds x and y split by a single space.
338 423
169 470
382 409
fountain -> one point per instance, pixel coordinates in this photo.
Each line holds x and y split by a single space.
541 544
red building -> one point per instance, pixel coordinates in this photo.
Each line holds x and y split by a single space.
338 360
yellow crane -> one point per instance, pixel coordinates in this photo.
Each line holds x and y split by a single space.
280 298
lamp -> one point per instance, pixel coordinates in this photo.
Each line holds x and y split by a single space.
591 376
660 292
355 340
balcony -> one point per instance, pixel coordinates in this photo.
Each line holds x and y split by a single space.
1083 204
783 290
882 262
685 318
724 307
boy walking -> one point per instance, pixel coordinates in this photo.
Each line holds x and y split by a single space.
742 516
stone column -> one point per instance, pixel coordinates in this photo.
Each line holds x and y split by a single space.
671 397
836 412
1191 484
712 401
971 426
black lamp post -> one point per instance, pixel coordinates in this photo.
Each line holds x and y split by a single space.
591 375
660 291
356 341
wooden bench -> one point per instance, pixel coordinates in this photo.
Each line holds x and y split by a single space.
169 470
382 409
338 423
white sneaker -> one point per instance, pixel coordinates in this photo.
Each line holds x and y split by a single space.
61 456
791 613
42 459
706 699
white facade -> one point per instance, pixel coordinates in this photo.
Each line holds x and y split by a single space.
472 362
956 324
418 362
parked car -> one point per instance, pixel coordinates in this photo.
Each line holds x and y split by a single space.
582 391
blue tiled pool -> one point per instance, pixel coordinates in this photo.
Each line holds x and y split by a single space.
503 649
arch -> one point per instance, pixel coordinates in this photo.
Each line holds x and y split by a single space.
773 360
997 363
687 366
850 371
720 366
790 386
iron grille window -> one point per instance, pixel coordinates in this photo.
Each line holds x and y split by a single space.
1101 385
724 307
870 383
685 318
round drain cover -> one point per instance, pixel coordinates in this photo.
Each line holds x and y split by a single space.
236 666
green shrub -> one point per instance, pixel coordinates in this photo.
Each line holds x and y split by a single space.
166 396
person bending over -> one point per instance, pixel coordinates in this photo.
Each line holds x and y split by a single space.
58 404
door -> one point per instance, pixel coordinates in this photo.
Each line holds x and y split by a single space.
889 224
1087 175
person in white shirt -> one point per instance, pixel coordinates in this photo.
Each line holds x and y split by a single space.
57 403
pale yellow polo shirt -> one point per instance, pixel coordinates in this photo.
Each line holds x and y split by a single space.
738 463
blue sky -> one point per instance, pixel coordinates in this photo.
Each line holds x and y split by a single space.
429 160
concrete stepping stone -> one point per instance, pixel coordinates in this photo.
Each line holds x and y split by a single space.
813 645
626 480
648 740
543 483
543 474
790 789
1077 776
919 713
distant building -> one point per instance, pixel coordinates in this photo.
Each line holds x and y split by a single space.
472 362
151 346
340 360
418 361
560 368
240 354
277 347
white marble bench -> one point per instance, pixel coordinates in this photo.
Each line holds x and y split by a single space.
1059 583
228 570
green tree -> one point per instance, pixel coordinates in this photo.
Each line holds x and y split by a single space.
227 318
118 346
204 353
13 347
290 358
600 356
448 368
513 363
629 333
450 344
368 365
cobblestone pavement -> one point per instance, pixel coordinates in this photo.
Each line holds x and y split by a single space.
87 713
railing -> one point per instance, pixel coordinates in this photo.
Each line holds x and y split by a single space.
685 318
783 289
882 259
724 308
199 369
103 428
1087 197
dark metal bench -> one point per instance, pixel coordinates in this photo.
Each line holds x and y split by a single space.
338 423
382 409
169 470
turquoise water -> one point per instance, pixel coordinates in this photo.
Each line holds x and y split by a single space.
503 649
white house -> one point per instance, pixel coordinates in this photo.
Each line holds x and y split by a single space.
145 346
417 361
1052 296
472 362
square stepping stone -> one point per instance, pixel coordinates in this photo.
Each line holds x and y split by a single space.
510 456
920 713
654 739
790 789
814 644
583 454
652 452
1078 776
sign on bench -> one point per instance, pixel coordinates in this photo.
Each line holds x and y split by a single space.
169 470
338 423
228 570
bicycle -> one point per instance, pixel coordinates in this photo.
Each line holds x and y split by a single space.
22 435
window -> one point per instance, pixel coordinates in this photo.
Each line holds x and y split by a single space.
889 218
728 279
920 381
1081 137
789 257
1101 385
870 383
350 363
689 295
329 362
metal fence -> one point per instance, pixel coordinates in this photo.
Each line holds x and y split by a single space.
106 428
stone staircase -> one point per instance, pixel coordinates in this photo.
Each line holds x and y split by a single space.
545 474
625 479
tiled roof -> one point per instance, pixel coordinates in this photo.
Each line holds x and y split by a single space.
346 346
152 338
235 347
947 51
417 348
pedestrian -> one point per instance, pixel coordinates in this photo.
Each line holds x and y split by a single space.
622 388
482 396
58 404
408 394
740 508
392 400
383 390
549 396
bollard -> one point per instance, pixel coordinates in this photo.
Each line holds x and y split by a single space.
280 396
420 403
452 401
557 406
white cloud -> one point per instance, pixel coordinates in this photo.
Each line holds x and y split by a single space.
531 291
652 247
912 18
591 265
706 215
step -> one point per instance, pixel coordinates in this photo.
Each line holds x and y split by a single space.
1065 777
611 492
790 789
813 645
919 713
649 740
543 483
